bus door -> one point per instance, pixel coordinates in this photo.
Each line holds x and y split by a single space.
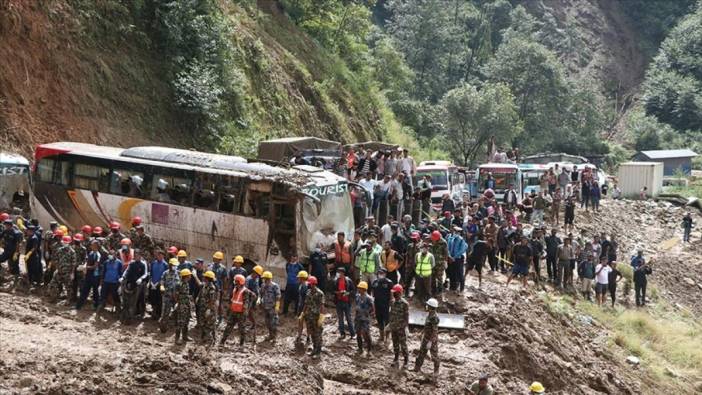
282 218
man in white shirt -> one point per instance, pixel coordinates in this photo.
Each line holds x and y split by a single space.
398 195
602 276
407 164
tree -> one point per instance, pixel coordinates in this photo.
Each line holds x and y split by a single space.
472 116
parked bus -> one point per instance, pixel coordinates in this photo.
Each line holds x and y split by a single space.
504 174
445 178
14 182
531 176
197 201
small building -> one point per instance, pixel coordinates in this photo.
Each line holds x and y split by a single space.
672 159
633 176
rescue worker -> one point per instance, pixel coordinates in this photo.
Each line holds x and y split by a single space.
136 222
170 281
292 268
220 280
318 267
424 265
301 296
343 294
11 239
236 268
48 244
253 283
207 300
314 315
439 249
92 272
79 269
196 282
183 306
115 237
183 262
364 311
270 301
241 300
342 252
126 252
413 249
157 269
380 289
32 256
143 242
132 278
367 262
398 324
64 258
430 338
111 273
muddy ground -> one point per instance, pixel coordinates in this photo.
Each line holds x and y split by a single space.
510 334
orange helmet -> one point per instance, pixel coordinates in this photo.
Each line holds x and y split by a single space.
136 221
125 242
435 235
58 233
114 225
87 229
97 230
78 237
4 216
66 239
239 279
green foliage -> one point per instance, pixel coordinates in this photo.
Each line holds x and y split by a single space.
471 117
654 18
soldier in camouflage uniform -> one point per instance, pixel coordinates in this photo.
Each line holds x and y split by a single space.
183 307
52 240
270 301
241 301
65 259
430 335
143 242
81 253
170 281
207 303
115 237
439 248
313 312
397 325
364 310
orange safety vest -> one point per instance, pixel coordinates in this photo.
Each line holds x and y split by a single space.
342 253
237 305
391 264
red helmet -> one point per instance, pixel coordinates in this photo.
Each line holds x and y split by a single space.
397 288
78 237
58 233
97 230
435 235
415 235
66 239
114 225
173 250
125 242
312 280
87 229
136 221
4 216
240 279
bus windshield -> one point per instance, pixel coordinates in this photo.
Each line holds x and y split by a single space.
438 177
503 177
324 218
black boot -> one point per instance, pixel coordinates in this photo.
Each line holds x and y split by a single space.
177 336
185 335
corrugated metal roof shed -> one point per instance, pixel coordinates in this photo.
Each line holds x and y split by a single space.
669 153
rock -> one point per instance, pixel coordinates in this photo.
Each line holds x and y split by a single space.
219 387
670 372
633 360
689 281
26 382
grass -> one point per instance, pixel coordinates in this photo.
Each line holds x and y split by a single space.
694 188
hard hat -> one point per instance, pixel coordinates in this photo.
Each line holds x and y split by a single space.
362 285
433 303
537 387
397 288
415 235
173 249
4 216
58 233
173 261
218 255
64 228
185 272
302 274
78 237
240 279
97 230
238 259
267 274
125 242
209 274
258 269
136 221
435 235
182 254
66 239
87 229
7 222
312 280
115 225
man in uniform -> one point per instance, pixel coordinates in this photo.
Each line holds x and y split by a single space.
144 242
220 280
424 266
92 272
270 300
364 311
439 249
314 315
115 237
397 326
48 245
183 306
170 281
207 300
78 273
241 301
430 338
410 259
131 280
64 258
136 222
253 283
236 268
32 256
11 239
380 289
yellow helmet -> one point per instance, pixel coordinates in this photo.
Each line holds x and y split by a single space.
64 229
238 259
218 255
302 274
258 269
173 261
185 272
363 285
210 274
267 274
537 387
182 254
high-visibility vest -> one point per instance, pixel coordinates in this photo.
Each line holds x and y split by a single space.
342 253
423 265
389 261
237 305
366 261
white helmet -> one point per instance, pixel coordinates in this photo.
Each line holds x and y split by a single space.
433 303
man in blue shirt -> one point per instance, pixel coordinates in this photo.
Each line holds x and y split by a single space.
158 267
637 260
292 268
111 273
457 248
91 282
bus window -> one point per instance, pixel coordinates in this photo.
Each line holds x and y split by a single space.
229 189
90 177
63 172
258 200
172 189
127 182
45 170
204 188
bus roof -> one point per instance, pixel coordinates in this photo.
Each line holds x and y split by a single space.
195 160
8 158
499 165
